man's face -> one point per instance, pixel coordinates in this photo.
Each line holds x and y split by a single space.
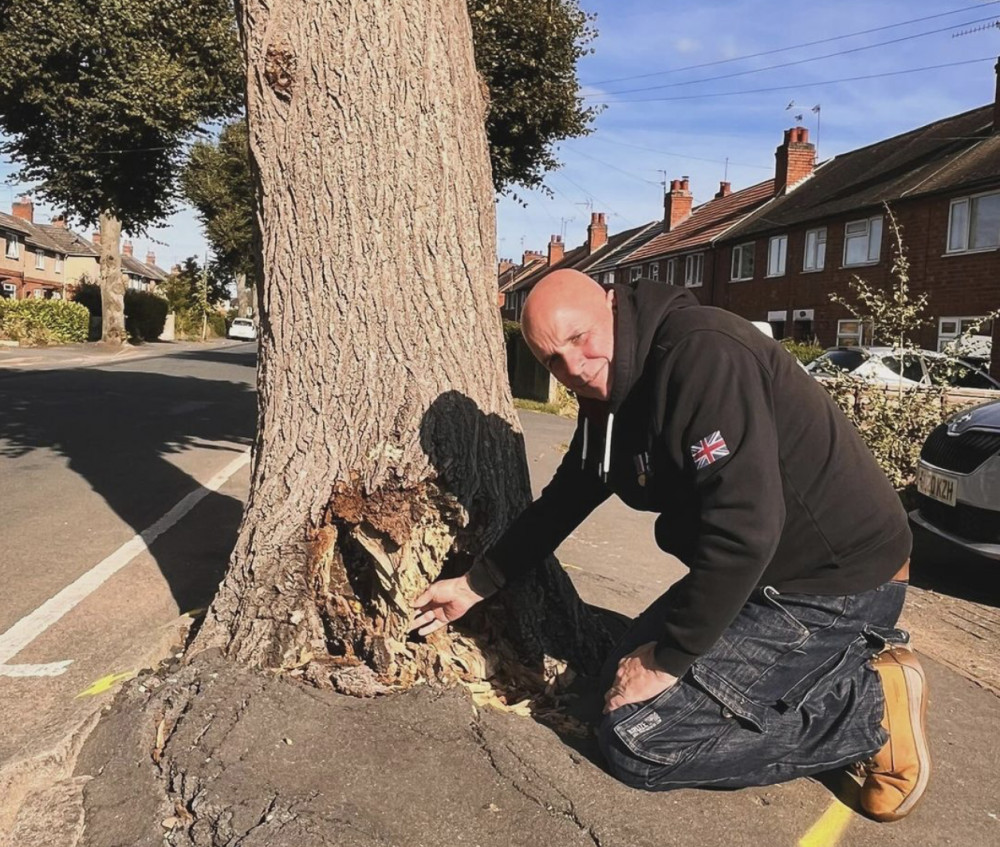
575 341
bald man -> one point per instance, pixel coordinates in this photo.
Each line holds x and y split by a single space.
757 666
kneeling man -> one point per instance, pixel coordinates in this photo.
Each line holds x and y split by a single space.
777 655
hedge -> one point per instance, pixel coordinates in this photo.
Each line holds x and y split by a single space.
43 321
145 313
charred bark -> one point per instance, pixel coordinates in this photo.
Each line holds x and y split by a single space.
388 448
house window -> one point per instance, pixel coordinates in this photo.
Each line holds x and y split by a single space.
609 277
654 271
863 241
850 333
975 345
815 254
59 264
742 262
38 294
8 291
777 252
694 269
13 247
40 260
634 274
671 271
974 223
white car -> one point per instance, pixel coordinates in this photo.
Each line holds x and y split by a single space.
958 480
911 368
243 329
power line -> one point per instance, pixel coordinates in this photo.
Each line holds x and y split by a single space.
608 165
797 61
598 137
586 193
795 46
801 84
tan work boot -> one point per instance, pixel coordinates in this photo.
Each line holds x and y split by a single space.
897 775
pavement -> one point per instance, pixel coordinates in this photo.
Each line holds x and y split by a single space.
309 767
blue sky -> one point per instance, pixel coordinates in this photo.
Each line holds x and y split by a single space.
616 169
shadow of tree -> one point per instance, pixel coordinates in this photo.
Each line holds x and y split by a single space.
123 431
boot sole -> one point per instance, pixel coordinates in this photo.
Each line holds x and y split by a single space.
916 696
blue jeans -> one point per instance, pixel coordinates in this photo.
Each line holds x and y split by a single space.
787 691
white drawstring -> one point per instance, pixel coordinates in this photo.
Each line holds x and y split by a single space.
606 464
586 432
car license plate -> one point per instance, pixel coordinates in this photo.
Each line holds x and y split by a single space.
937 485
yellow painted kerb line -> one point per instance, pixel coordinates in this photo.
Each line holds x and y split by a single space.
827 831
105 683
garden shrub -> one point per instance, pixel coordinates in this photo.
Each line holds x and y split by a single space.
145 315
34 322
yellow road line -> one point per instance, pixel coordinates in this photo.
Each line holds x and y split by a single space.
826 832
105 683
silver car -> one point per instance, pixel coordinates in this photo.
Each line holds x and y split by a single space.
958 481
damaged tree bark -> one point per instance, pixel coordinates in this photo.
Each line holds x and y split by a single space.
388 448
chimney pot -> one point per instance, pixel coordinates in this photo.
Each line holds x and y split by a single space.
59 222
23 208
556 250
794 159
127 248
150 258
725 189
96 237
677 204
597 232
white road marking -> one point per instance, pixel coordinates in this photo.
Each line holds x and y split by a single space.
26 630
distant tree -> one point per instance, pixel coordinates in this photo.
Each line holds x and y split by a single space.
96 100
189 291
216 181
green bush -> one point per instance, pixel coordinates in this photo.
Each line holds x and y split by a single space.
511 330
43 321
804 351
145 313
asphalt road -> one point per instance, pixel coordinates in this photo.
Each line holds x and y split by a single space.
89 458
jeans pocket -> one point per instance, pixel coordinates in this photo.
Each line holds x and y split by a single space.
734 701
649 732
843 663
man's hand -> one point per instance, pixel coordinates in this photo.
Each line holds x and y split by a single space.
638 678
442 603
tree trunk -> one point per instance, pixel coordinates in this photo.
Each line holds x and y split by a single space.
112 281
244 297
387 446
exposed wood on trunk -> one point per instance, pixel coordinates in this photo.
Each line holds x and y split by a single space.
388 447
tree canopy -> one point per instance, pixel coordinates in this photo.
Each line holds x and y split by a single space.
97 97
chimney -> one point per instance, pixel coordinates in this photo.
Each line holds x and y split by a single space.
676 204
23 208
725 189
597 232
59 222
996 99
127 248
794 159
555 250
503 266
529 256
150 258
96 237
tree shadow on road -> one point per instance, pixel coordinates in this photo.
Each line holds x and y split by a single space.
126 432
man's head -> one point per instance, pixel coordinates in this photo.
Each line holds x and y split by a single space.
569 324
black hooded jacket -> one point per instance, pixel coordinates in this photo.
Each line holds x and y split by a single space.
757 476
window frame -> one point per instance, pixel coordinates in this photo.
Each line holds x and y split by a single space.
39 260
747 247
12 242
959 320
634 273
821 236
782 255
694 259
60 262
968 200
654 271
868 241
857 336
671 271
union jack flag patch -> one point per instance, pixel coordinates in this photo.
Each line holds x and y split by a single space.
709 450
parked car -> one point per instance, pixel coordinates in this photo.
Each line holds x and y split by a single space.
242 328
912 368
958 481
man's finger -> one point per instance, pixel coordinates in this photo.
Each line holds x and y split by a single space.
421 620
433 627
423 598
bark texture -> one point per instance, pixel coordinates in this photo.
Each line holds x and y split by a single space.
112 281
388 447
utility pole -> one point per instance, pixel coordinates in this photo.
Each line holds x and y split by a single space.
204 299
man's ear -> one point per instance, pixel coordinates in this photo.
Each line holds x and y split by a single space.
609 298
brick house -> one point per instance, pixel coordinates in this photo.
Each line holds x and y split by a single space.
31 263
942 183
597 250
